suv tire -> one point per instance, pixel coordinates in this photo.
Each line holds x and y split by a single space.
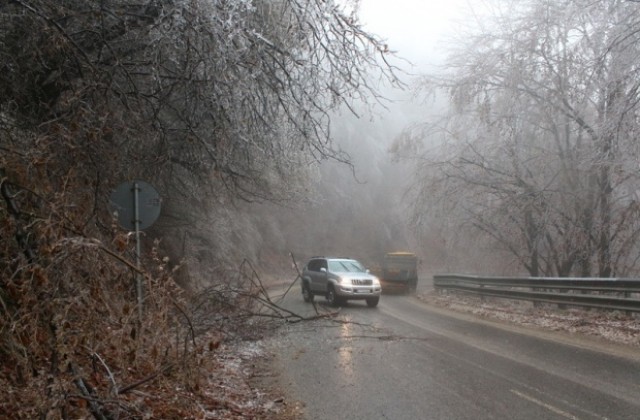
307 295
332 298
373 302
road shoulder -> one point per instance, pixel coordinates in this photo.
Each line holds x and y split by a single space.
612 333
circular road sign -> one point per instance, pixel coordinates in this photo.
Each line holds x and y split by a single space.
122 204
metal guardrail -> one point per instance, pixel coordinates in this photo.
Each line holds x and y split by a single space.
609 294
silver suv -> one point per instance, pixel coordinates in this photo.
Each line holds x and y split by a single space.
339 279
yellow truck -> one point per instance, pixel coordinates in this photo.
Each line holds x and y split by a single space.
399 272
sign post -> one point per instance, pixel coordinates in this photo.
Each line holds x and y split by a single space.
136 205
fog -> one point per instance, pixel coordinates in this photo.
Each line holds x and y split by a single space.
514 143
363 210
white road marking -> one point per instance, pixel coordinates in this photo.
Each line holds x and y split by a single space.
545 405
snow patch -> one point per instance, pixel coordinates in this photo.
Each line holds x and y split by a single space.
613 326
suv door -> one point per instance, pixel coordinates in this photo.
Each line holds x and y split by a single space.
318 277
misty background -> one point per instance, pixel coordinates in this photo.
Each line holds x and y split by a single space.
364 208
510 150
493 137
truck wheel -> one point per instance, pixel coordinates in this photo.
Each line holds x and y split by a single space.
306 293
373 302
332 298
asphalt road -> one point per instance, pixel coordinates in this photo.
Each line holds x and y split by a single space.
407 360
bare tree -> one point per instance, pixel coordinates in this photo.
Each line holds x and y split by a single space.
540 145
203 98
235 90
211 101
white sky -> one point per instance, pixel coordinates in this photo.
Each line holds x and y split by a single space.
416 31
413 28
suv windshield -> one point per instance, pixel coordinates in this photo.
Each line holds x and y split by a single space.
345 266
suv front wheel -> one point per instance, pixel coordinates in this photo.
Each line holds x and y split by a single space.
332 298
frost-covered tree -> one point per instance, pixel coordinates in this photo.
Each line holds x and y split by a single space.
539 149
238 90
202 98
211 101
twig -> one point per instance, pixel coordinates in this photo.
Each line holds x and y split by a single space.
279 309
111 377
121 259
255 274
142 381
295 264
298 318
193 331
87 393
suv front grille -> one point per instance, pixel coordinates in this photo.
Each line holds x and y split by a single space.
362 282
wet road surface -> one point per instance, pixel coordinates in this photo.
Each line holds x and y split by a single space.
407 360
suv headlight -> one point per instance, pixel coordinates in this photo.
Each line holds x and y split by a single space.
339 280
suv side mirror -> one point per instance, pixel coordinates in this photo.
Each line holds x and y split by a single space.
324 270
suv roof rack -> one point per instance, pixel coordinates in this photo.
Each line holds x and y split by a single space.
330 258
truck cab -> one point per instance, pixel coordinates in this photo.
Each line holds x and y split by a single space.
400 272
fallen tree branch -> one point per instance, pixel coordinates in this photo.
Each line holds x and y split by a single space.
95 406
295 318
295 264
143 381
109 373
121 259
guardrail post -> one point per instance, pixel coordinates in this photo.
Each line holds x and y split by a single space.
561 305
627 295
